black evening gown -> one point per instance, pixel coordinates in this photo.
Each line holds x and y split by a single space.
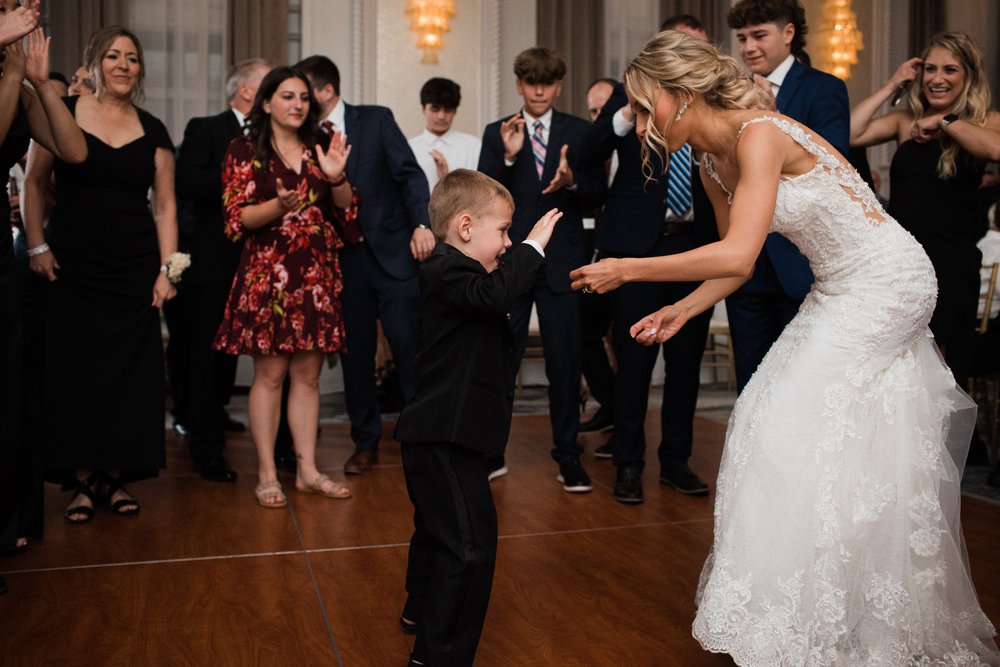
941 215
104 376
16 468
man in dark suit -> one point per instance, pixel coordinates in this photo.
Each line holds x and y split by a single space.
538 155
214 259
771 36
381 257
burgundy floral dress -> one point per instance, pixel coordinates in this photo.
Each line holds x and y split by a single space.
285 295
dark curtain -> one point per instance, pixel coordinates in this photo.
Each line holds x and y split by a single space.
574 28
258 29
70 25
926 20
706 11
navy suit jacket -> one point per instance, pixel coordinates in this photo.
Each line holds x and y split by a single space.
565 251
392 188
466 367
214 257
819 101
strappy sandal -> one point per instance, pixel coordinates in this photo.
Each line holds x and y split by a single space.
270 495
316 487
82 513
127 506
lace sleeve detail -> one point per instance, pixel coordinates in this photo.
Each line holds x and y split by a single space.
706 162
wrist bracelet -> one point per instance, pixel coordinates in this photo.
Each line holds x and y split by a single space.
339 181
38 250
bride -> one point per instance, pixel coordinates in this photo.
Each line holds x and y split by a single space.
837 535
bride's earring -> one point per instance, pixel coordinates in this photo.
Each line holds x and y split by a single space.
680 112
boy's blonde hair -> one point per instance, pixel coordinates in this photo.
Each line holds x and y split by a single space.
461 191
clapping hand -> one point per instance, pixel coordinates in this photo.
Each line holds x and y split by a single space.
289 199
600 277
13 64
37 61
542 231
659 326
440 163
333 160
564 175
16 24
512 136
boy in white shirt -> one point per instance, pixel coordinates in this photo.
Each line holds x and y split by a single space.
440 149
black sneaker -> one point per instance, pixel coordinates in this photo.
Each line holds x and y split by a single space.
605 451
682 479
628 485
601 421
573 477
496 467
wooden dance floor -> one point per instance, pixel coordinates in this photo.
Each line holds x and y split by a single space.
203 576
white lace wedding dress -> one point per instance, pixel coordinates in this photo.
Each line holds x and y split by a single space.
837 535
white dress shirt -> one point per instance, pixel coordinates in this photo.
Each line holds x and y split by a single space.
777 77
460 150
336 116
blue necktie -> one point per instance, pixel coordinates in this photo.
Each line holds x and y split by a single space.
679 181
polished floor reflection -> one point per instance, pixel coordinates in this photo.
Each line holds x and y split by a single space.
204 576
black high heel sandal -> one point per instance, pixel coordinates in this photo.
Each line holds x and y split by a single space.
114 485
85 488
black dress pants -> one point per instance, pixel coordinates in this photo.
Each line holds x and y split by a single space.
452 552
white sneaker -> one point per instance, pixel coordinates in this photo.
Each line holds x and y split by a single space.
499 472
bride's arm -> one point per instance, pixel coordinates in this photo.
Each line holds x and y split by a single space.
760 155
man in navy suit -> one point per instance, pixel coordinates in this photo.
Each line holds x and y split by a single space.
214 259
381 257
771 36
538 154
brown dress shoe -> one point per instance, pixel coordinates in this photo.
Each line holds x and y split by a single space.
361 461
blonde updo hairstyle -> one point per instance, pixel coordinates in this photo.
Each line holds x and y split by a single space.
973 103
685 66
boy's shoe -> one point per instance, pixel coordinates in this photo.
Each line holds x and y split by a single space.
496 466
573 477
628 486
683 480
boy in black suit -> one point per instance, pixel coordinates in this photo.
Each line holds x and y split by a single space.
462 409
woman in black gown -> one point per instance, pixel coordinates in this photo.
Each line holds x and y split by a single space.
25 113
944 139
104 379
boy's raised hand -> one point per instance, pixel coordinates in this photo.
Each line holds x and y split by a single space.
542 231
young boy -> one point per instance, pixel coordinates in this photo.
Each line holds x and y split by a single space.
462 409
440 149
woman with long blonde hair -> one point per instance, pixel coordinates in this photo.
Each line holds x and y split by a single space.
837 539
944 140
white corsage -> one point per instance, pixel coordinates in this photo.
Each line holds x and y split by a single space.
175 265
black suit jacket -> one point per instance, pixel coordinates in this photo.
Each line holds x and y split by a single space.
565 250
466 368
214 257
391 186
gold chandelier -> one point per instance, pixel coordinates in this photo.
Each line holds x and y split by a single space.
839 39
429 19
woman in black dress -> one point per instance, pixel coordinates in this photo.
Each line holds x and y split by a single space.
945 138
107 259
25 113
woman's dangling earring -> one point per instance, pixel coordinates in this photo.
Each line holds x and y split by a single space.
680 112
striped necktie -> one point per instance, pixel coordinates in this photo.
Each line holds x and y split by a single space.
679 181
538 147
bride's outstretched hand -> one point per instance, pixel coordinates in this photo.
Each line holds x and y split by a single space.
659 326
600 277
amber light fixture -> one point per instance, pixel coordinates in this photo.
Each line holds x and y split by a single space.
839 39
429 19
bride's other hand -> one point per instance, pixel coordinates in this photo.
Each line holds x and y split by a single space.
659 326
600 277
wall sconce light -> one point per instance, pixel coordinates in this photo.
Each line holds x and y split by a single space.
429 19
839 39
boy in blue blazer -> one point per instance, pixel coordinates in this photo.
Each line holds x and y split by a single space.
461 412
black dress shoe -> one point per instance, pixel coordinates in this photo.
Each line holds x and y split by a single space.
682 479
601 421
628 486
216 471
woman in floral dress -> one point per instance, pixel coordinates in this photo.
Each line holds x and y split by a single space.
287 195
